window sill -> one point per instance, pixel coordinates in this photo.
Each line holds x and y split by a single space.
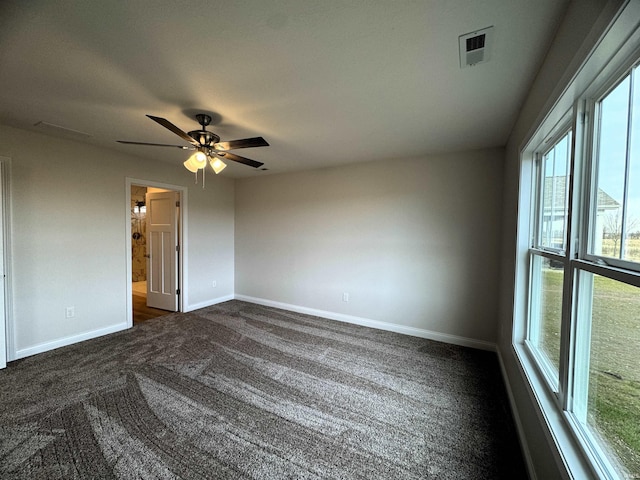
560 437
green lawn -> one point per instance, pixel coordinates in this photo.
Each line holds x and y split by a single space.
612 248
614 383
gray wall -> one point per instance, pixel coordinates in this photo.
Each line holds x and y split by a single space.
68 241
414 242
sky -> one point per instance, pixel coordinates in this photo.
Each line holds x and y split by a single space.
615 138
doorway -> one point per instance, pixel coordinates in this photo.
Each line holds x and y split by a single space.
142 236
139 246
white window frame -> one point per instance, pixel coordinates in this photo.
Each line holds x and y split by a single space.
541 361
592 102
549 144
578 450
576 402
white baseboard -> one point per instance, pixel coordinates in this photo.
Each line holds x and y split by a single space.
63 342
516 418
391 327
208 303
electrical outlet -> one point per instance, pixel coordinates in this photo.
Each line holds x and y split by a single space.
345 297
70 312
214 284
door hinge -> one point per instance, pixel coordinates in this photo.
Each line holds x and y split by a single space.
177 248
178 292
177 203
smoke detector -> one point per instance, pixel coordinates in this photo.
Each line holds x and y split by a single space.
475 47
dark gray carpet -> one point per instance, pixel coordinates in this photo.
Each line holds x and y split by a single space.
244 391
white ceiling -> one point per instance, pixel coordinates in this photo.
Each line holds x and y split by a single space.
325 82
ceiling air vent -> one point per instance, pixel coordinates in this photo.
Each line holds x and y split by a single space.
475 47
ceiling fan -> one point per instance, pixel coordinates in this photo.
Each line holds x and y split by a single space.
207 145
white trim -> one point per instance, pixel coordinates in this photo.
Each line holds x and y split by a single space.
619 275
391 327
569 460
208 303
565 446
63 342
524 445
7 350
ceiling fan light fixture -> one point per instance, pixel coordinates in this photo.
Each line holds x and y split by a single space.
189 165
218 165
200 158
196 161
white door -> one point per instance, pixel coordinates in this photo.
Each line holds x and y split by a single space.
162 246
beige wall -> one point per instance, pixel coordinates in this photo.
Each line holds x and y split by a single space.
69 215
414 242
399 237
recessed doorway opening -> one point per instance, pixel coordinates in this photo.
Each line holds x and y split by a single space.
154 236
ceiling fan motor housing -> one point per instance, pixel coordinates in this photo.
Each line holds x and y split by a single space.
203 119
204 137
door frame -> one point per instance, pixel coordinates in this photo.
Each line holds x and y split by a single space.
181 272
7 339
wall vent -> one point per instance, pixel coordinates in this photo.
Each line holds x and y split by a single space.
475 47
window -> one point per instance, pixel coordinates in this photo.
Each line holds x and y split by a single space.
548 255
607 314
615 215
546 315
553 199
583 302
609 406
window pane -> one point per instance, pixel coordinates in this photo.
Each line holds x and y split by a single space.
546 309
613 413
553 195
607 227
632 236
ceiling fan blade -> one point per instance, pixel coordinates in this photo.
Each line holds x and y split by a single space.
242 143
168 125
239 159
182 147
